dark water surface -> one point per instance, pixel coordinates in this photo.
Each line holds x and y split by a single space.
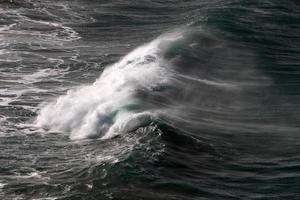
206 105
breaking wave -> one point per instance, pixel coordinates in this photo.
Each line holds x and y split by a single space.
114 104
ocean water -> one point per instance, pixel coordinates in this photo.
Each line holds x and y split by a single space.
149 99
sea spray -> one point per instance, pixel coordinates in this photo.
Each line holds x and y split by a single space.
112 105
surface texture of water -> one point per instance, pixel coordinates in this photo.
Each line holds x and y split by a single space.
149 99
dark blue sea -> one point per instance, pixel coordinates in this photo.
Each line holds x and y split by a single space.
149 99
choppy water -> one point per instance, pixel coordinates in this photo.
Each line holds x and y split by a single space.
150 99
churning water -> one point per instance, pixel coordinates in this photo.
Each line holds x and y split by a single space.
149 99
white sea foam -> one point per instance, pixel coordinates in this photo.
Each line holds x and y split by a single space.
102 109
59 32
2 185
40 74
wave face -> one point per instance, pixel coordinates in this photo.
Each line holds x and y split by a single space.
149 99
114 103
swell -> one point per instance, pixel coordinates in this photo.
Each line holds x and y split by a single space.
229 83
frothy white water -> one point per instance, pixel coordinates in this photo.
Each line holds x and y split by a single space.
111 105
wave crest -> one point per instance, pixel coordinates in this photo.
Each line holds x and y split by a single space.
113 104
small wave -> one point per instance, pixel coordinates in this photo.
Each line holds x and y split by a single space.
34 175
2 185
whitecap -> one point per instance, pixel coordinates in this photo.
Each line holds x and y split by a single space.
110 106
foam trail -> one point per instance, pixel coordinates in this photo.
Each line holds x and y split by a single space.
111 105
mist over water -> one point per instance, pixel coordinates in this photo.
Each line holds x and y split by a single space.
149 100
